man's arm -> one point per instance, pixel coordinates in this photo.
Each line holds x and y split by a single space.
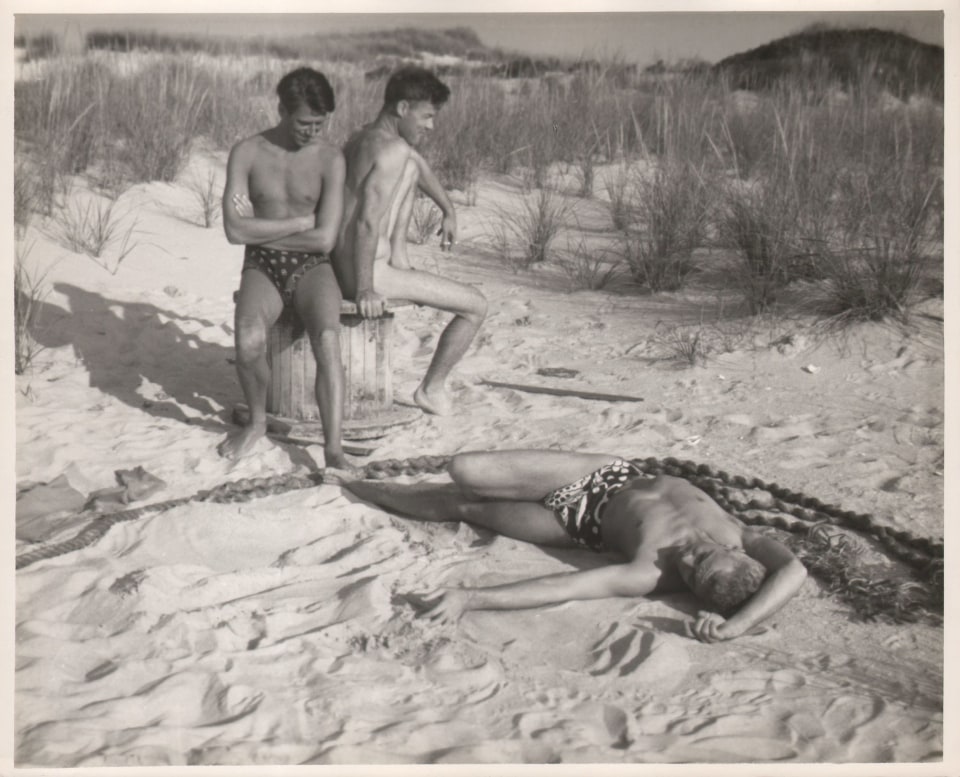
374 199
633 579
786 575
239 224
430 185
323 235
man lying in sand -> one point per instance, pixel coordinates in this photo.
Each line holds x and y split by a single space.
672 535
283 199
383 174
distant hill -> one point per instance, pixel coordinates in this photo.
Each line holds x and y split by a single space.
448 51
350 47
902 65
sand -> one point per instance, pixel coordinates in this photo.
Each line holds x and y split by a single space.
275 631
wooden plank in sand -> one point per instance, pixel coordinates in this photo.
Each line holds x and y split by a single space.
563 392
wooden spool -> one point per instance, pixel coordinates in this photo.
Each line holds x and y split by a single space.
365 346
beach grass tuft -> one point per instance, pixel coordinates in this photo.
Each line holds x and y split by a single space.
28 294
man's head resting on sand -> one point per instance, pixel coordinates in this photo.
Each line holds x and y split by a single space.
414 95
721 577
305 87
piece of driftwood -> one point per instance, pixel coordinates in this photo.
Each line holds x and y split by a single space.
557 372
563 392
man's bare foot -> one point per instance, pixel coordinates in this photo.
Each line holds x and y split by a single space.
336 458
433 401
239 444
341 476
400 260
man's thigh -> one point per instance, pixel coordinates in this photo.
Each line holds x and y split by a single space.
426 289
317 299
525 521
257 299
521 474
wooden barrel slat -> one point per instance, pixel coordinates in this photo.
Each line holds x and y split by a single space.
365 345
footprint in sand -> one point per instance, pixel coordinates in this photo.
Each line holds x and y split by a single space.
643 655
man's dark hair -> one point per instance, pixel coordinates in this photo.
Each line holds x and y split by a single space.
415 84
305 86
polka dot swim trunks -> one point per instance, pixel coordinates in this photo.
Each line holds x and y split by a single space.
284 268
579 506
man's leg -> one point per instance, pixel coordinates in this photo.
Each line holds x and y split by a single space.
527 475
525 521
317 302
258 307
467 304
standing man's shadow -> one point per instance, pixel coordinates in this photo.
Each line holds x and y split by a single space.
122 344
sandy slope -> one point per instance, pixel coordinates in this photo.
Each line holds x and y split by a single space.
275 631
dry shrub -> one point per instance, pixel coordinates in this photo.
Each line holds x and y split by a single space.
671 206
532 223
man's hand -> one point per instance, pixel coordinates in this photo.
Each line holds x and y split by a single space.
443 605
711 627
370 304
448 231
243 206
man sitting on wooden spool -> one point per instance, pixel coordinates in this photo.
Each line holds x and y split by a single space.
383 174
283 200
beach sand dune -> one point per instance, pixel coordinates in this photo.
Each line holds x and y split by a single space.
281 631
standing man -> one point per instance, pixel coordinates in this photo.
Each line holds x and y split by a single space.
383 173
283 200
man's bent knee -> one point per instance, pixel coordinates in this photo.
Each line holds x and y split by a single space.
326 346
465 472
251 339
476 311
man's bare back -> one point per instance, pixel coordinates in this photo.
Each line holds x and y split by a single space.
384 172
366 148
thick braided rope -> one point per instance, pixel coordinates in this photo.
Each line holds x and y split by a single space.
236 491
920 552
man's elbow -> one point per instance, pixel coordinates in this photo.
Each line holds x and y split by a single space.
326 241
797 570
632 586
234 235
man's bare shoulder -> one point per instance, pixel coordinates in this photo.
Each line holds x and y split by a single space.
375 146
249 147
326 152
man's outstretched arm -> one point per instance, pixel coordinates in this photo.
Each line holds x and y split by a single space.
785 576
614 580
239 222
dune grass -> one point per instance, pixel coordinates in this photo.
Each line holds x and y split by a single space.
841 190
28 293
671 201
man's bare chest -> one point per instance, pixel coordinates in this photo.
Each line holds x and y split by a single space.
292 179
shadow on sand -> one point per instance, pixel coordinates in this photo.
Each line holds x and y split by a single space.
124 345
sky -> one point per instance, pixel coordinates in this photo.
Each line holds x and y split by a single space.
636 37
